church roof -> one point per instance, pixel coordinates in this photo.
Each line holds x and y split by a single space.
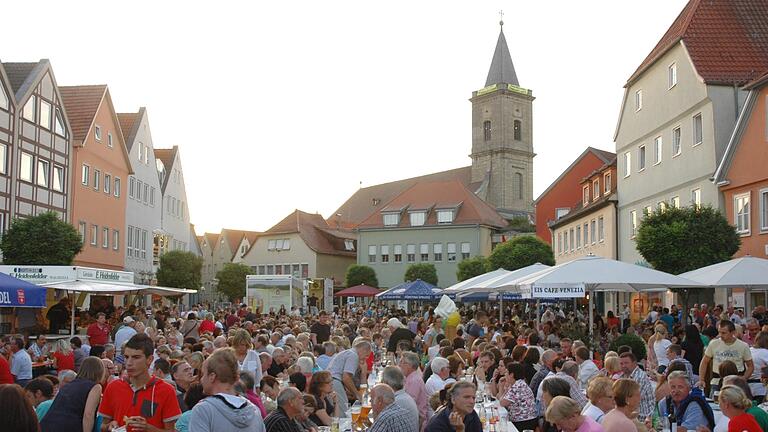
502 69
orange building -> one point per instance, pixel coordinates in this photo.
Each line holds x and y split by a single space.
742 175
100 158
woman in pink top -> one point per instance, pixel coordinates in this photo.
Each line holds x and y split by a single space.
626 394
565 413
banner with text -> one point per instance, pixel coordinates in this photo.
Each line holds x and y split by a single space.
553 291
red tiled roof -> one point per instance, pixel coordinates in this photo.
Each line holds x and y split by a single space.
727 40
436 195
126 123
234 237
316 233
212 239
81 103
371 199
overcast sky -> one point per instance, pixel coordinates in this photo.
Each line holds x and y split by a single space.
296 104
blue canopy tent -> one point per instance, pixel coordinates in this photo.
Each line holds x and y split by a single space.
19 293
416 290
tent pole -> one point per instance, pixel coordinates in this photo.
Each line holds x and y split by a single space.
591 317
72 321
501 308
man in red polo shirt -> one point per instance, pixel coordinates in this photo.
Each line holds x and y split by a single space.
142 402
98 332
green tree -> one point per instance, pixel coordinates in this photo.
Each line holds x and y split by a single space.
471 267
42 240
423 271
522 224
359 275
232 280
180 269
520 252
677 240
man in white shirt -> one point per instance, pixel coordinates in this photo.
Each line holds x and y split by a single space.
126 332
439 378
587 368
21 363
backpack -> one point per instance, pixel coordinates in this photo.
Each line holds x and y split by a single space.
699 399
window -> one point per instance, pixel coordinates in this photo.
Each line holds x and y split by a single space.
278 244
696 197
305 270
410 253
565 241
81 229
3 99
96 179
152 196
675 201
559 243
3 157
29 109
465 250
398 249
107 183
578 237
391 219
94 235
424 251
115 239
437 251
560 212
58 178
517 130
97 132
627 164
698 130
592 236
601 229
586 234
144 243
638 100
607 182
141 152
349 244
384 253
129 240
487 130
286 244
585 195
140 187
146 192
105 237
573 240
764 210
676 147
662 206
59 126
42 172
672 75
271 245
657 146
372 254
632 224
742 213
131 186
418 218
451 252
109 139
444 216
86 174
25 172
595 189
117 187
45 114
641 158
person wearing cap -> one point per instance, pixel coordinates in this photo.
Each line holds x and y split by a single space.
126 332
399 333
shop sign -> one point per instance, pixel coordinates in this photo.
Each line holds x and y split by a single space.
85 273
554 291
40 274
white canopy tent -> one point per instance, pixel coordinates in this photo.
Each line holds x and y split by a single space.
476 281
750 273
592 274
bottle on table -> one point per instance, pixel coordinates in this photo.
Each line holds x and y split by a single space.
671 416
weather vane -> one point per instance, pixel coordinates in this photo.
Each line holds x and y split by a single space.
501 18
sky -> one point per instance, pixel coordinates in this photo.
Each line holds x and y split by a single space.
286 105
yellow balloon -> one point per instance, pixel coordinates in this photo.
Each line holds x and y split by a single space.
453 320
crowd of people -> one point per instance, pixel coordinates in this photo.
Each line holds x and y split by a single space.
231 369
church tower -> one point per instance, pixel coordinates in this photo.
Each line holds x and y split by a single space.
502 137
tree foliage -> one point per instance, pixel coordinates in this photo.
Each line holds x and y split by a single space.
180 269
232 280
42 240
520 252
522 224
361 275
424 271
633 341
678 240
471 267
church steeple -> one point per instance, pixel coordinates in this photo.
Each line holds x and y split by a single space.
502 69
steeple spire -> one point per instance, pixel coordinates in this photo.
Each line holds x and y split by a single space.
502 69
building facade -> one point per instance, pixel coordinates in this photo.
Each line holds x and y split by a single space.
98 201
680 108
143 207
565 192
303 245
441 223
35 139
175 210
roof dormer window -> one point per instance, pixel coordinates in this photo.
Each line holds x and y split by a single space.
445 216
391 219
349 244
418 218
